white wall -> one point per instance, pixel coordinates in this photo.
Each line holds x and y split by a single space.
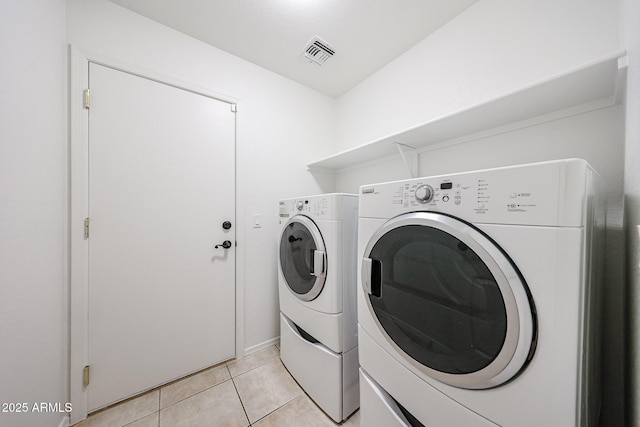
33 291
282 125
596 136
632 204
494 48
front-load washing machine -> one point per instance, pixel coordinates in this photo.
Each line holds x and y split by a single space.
317 292
478 298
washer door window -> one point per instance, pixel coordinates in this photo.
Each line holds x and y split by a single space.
448 297
303 259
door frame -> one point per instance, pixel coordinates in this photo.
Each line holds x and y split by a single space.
79 61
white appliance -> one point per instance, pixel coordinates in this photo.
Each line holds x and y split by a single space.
478 298
317 292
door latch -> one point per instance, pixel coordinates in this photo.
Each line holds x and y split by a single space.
226 245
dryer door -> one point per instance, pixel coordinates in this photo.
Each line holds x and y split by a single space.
449 299
303 259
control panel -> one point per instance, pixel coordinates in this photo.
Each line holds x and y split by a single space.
326 206
419 194
314 207
532 194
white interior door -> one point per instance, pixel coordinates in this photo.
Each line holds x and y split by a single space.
161 297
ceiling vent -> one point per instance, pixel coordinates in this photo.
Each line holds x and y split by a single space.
318 51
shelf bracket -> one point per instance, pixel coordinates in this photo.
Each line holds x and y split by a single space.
621 79
412 169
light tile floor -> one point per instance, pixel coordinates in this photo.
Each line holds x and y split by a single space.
256 390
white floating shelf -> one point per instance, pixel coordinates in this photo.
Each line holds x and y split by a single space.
593 86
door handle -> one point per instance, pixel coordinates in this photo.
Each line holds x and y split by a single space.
226 244
366 275
318 263
371 276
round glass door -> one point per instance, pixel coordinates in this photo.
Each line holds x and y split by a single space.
449 298
303 259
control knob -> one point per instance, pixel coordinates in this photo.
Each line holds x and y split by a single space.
424 193
299 205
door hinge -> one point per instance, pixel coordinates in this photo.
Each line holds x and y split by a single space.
234 108
86 228
86 98
86 376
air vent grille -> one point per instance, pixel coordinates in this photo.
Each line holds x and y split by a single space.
318 51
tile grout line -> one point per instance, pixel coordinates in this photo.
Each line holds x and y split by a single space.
239 398
195 394
255 367
279 407
303 392
252 369
159 404
159 389
246 372
231 377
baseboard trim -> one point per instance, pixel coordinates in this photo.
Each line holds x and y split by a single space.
261 346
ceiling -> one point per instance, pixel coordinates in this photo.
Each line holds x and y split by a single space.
365 34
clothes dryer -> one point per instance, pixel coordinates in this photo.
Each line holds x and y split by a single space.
478 298
317 293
